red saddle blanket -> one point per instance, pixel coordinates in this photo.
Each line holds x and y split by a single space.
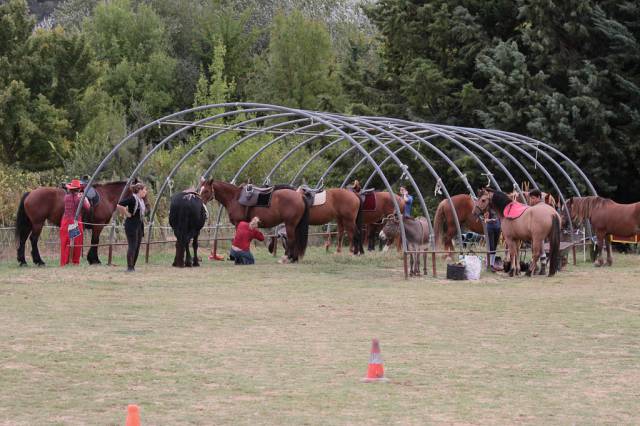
514 210
369 203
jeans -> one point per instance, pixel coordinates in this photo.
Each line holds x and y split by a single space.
494 238
242 257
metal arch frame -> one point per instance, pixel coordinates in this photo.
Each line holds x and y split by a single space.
358 131
322 119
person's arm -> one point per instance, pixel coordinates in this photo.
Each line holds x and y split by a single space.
258 235
123 207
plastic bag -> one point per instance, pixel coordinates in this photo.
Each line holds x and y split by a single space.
473 267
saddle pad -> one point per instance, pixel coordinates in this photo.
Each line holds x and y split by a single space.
369 203
320 198
92 195
514 210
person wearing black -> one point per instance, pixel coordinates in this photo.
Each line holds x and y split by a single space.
133 208
493 229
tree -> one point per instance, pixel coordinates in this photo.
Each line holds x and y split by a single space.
299 69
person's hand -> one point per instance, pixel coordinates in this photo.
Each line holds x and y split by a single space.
127 214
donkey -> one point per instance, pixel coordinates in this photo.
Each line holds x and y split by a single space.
417 233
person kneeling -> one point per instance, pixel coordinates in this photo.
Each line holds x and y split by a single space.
241 244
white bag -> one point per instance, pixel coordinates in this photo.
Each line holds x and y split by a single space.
472 267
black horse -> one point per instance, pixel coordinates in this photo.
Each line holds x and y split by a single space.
187 216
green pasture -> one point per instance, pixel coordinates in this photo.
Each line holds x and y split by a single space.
288 344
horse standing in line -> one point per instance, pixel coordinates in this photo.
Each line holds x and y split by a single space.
534 224
607 218
444 224
342 206
417 234
372 218
286 206
187 216
47 203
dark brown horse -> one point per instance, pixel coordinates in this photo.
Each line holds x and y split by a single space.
535 224
341 206
47 203
607 218
287 206
444 222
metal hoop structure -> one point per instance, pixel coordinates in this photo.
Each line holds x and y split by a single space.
378 150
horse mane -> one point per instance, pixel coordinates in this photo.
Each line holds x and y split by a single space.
500 200
581 207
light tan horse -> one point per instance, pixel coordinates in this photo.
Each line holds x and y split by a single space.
536 224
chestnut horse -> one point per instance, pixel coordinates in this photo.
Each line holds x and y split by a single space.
372 219
342 206
47 203
444 223
535 224
607 218
287 206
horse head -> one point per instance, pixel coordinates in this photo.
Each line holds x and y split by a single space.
482 203
206 191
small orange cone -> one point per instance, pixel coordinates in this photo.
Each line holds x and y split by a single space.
133 415
375 372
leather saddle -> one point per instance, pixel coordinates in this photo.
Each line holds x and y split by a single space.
255 196
367 200
318 196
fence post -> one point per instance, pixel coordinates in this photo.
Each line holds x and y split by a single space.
433 264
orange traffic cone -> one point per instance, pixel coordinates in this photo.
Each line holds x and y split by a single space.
133 415
375 372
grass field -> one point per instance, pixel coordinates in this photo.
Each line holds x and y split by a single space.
288 344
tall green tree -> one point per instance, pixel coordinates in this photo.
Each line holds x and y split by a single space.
131 44
299 69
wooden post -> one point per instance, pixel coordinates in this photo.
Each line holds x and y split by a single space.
573 252
110 253
406 268
424 261
433 264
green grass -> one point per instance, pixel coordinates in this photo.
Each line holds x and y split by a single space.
288 344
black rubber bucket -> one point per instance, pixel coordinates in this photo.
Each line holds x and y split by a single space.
456 272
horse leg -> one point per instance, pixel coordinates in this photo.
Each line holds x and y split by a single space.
607 241
92 255
536 248
178 261
187 262
196 262
292 243
35 253
513 259
22 243
599 262
340 237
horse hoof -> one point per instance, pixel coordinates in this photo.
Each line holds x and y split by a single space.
195 264
528 273
23 264
40 264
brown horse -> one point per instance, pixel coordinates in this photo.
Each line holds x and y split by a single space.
47 203
607 218
535 224
342 206
286 206
444 222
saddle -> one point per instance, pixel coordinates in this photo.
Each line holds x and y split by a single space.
514 210
317 195
255 196
92 195
367 200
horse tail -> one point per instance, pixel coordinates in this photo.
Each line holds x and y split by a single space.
357 235
302 231
554 245
440 224
23 223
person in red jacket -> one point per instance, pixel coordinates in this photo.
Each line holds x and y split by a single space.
71 201
241 244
